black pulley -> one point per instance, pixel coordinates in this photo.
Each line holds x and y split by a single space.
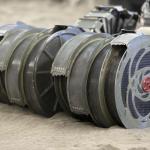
26 86
38 83
60 83
131 74
108 19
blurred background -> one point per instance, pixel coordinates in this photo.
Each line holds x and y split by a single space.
45 13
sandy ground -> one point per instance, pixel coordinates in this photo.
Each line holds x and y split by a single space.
21 129
40 13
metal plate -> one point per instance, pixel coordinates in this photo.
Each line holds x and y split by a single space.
77 80
99 21
131 99
108 19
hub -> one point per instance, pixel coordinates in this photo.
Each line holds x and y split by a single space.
146 84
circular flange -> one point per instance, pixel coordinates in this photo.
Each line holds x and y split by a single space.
38 84
132 102
36 44
43 99
95 89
